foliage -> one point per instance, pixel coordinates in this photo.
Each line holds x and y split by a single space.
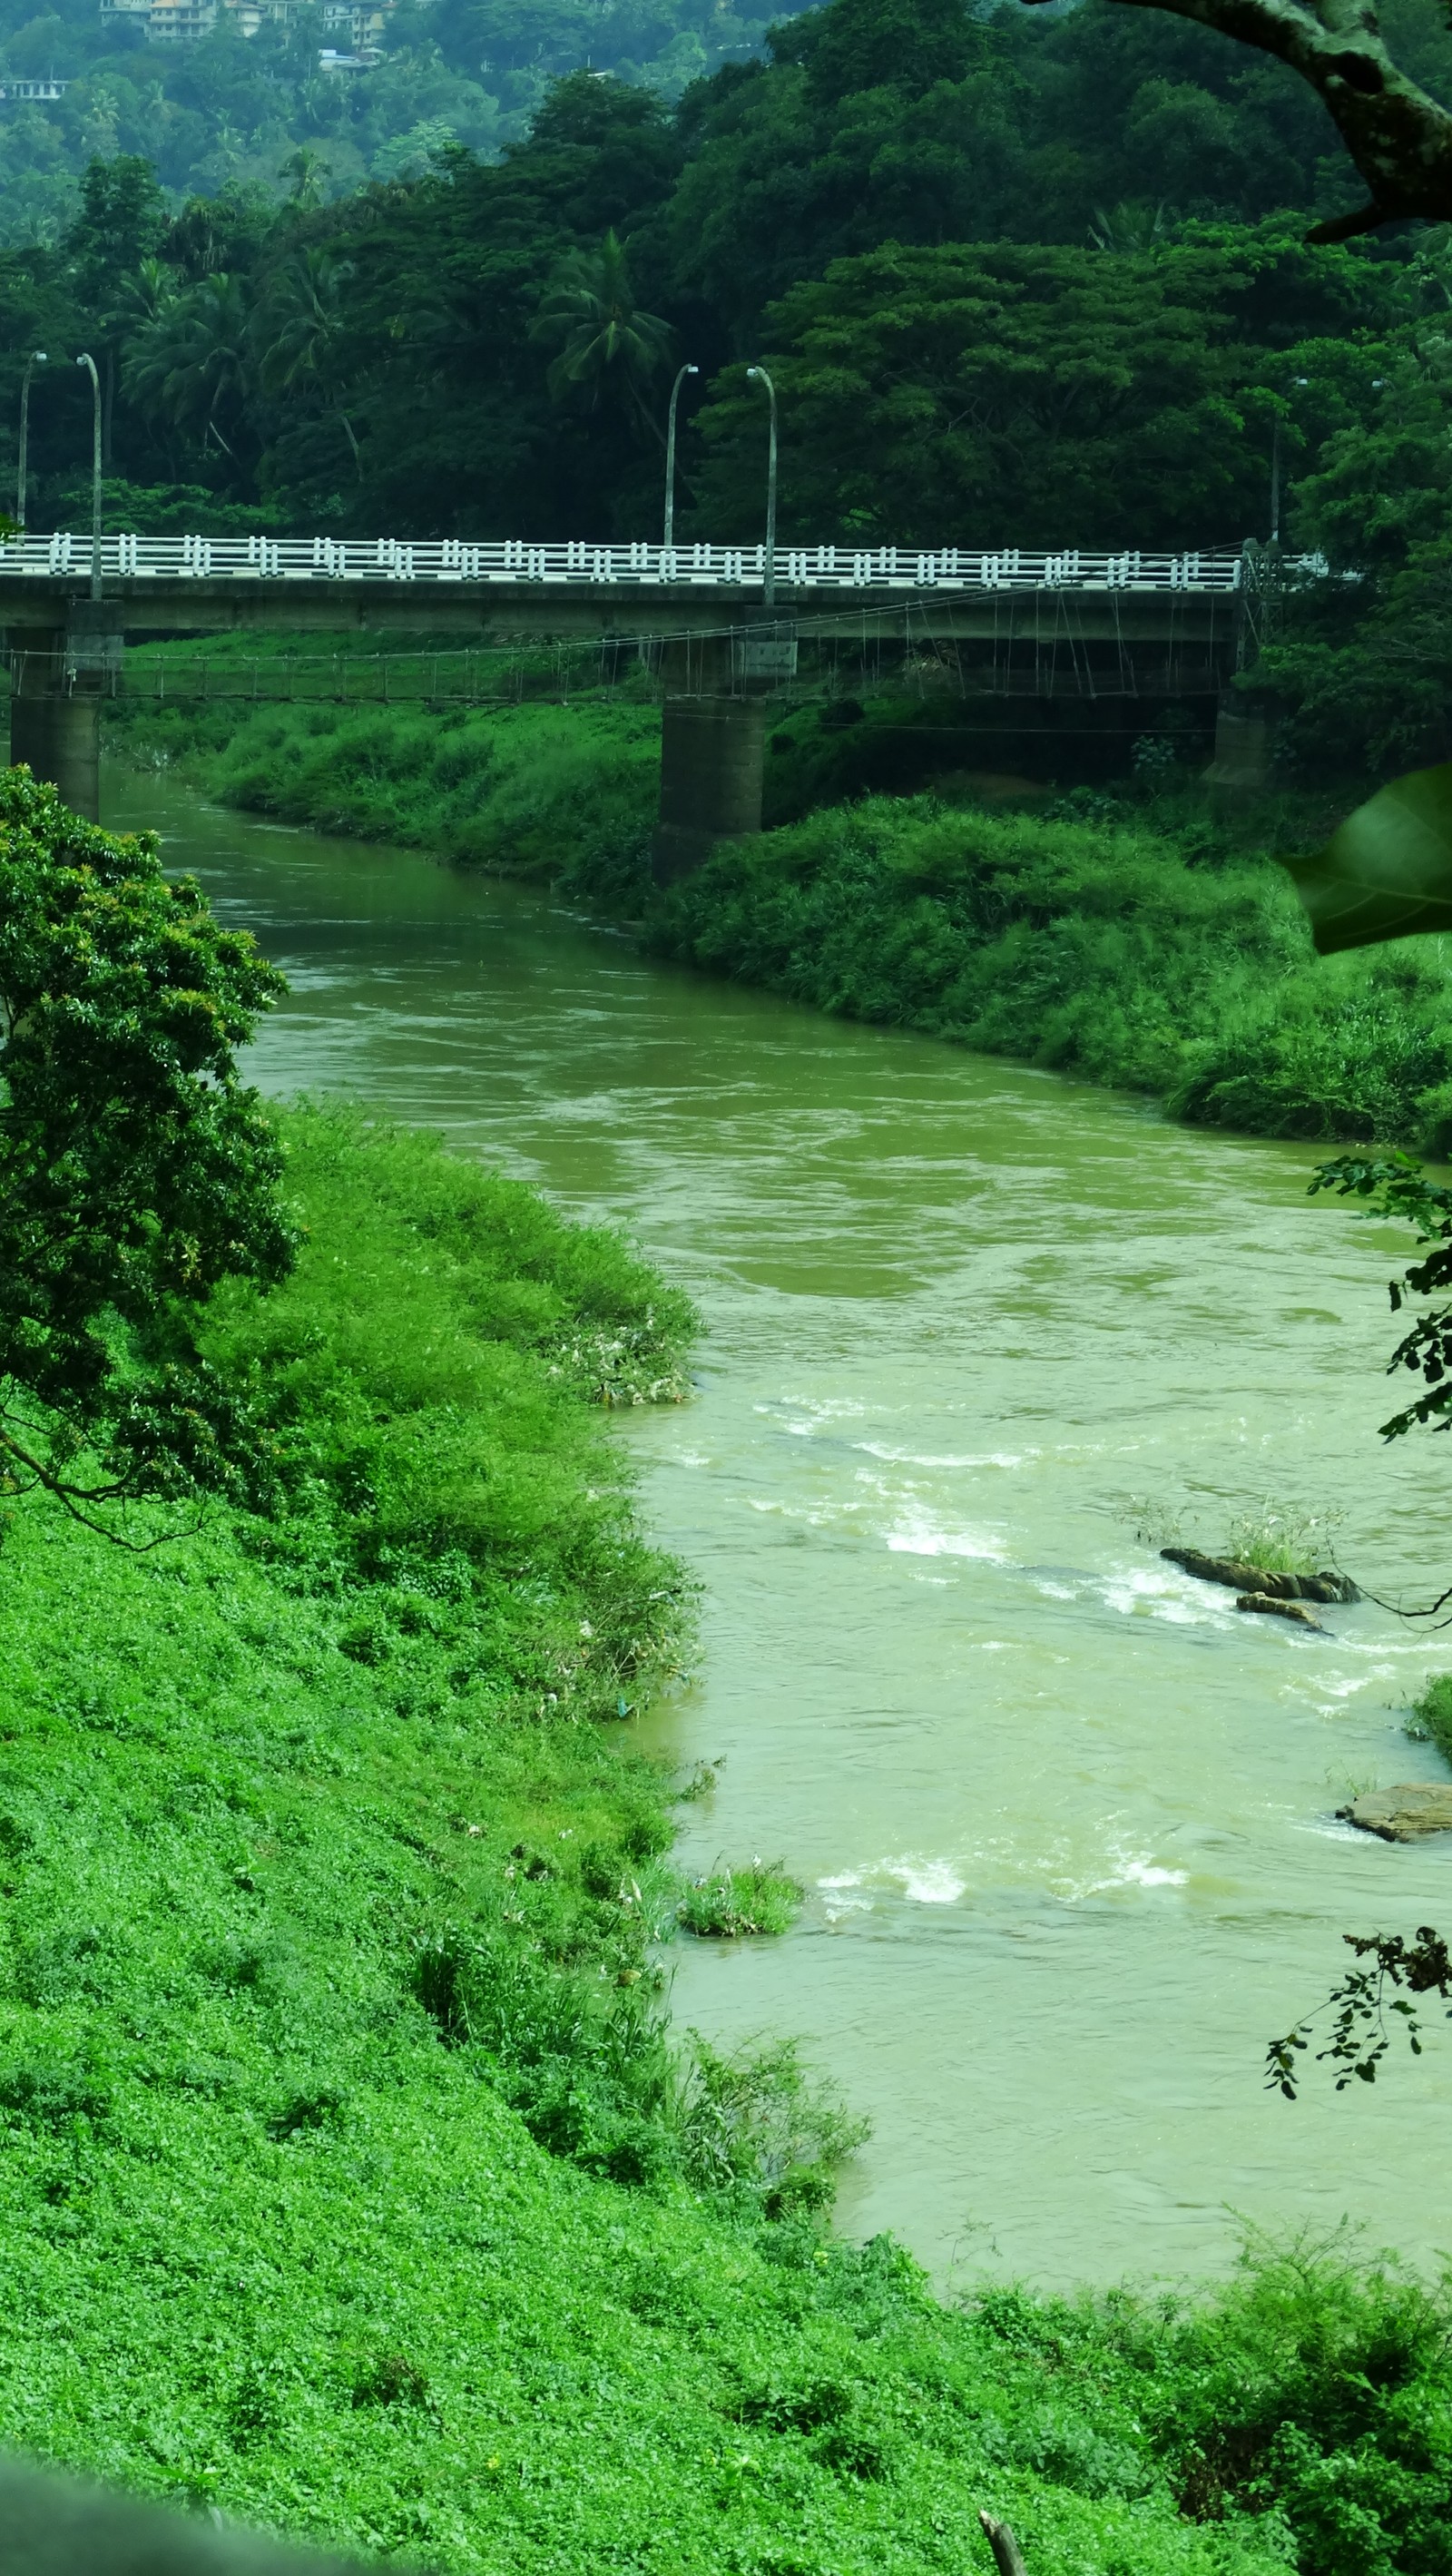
323 296
1107 953
382 1432
732 1904
137 1172
525 788
1386 872
1360 2037
1038 395
327 2038
1399 1190
1280 1542
1432 1714
605 344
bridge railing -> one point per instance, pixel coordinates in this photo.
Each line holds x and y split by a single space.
512 561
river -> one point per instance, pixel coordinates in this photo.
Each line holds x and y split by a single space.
1066 1819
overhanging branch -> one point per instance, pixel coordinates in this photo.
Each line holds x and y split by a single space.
1396 134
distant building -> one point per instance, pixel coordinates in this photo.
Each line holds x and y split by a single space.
50 87
330 60
359 22
181 22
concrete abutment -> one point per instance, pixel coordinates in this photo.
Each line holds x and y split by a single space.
711 758
58 677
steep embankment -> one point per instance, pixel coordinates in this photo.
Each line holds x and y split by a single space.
351 2179
1158 955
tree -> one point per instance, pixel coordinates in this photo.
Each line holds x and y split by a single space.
309 170
119 226
1013 395
137 1173
299 329
1397 134
193 365
606 344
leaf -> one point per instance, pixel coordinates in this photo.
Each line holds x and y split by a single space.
1386 873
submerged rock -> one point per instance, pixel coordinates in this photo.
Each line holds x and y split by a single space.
1279 1609
1403 1814
1250 1578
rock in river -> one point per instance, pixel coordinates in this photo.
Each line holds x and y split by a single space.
1250 1578
1279 1609
1403 1814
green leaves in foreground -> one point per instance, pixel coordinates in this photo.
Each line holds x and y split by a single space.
1387 871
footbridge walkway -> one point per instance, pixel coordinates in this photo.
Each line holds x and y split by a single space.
720 627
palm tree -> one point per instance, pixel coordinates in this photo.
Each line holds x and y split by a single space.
144 297
299 331
605 343
309 170
193 361
1131 227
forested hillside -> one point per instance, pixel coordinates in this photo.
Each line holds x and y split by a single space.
1033 277
231 110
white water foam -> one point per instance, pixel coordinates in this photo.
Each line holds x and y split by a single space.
924 1881
923 1458
918 1535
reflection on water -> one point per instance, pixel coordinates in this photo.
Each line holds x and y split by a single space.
1067 1818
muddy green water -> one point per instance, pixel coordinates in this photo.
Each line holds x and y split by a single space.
1066 1818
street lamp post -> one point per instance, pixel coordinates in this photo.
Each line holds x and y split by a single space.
86 360
35 359
768 587
670 507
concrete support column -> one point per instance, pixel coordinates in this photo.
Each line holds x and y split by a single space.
58 677
1244 742
711 752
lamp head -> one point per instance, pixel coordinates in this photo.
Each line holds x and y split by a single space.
37 357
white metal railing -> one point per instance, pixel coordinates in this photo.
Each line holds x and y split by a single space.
519 561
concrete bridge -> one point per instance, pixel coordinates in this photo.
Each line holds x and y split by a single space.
722 634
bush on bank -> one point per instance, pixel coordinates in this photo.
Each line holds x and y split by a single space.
351 2179
1158 957
1106 952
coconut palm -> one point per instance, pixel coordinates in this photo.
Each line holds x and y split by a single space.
1131 227
605 343
309 170
299 331
193 363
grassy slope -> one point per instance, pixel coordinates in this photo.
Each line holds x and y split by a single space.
349 2179
1159 959
1105 952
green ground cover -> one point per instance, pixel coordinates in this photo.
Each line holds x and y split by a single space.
1125 938
352 2179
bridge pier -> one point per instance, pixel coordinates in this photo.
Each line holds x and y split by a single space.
1244 744
58 677
711 759
713 741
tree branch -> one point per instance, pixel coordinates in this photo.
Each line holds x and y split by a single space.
1396 134
1007 2555
72 1497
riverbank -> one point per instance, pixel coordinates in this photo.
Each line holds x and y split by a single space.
1130 943
353 2182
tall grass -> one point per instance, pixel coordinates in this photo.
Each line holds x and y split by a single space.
1104 952
352 2179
